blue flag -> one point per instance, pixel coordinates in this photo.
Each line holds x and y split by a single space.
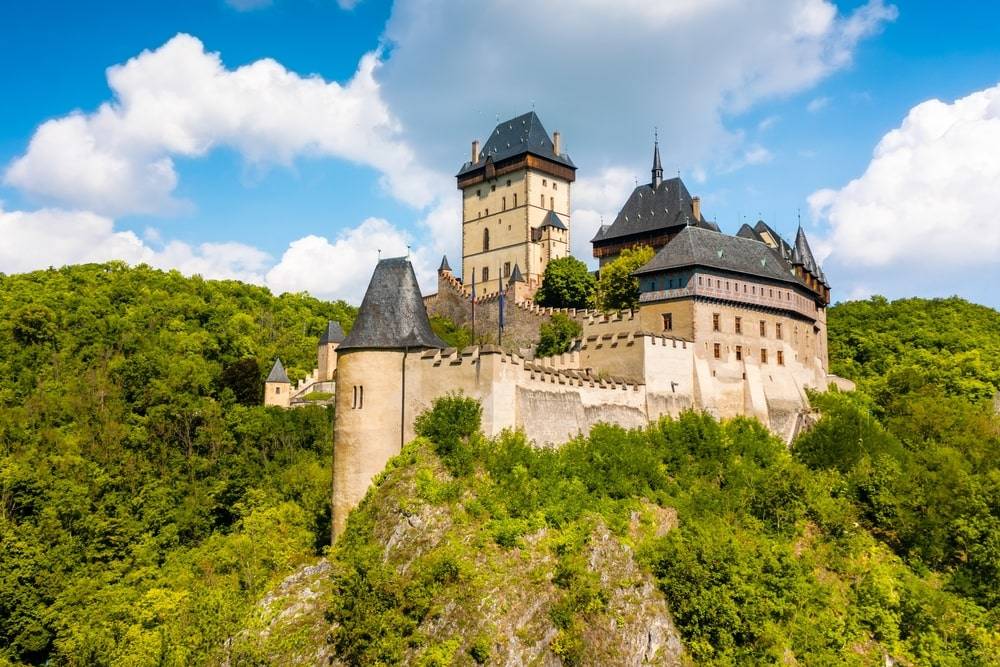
500 303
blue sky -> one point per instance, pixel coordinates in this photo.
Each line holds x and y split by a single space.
283 142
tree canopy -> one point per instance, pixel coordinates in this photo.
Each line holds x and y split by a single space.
566 283
616 288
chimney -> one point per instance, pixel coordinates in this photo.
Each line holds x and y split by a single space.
556 144
696 208
475 151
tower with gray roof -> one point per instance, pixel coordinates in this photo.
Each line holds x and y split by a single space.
277 387
515 204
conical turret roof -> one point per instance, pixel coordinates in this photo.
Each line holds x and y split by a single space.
515 275
392 315
333 333
278 373
444 264
805 253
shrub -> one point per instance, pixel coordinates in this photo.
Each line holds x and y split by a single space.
557 335
450 424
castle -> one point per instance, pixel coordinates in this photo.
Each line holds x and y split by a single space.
733 325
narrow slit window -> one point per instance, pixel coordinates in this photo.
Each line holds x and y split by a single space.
715 322
717 351
739 325
763 356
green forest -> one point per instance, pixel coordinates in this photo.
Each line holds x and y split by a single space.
147 500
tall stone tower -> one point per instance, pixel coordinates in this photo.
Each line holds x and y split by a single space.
515 204
371 411
326 352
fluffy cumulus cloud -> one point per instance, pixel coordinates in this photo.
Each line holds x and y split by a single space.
926 206
607 76
181 101
341 268
55 237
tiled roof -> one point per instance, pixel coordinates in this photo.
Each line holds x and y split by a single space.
333 333
650 209
278 373
695 246
524 134
392 314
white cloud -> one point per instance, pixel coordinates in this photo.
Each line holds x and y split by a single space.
341 269
595 198
605 75
817 104
55 237
180 100
929 198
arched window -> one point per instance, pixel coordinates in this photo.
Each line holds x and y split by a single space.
486 240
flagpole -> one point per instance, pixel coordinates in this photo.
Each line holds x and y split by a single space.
473 306
500 303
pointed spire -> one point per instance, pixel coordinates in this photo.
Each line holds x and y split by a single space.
803 252
444 264
657 167
278 373
515 275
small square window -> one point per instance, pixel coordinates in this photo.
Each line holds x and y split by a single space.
544 182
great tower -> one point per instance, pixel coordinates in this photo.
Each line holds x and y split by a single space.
515 204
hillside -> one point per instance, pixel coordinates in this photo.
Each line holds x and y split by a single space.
146 499
150 509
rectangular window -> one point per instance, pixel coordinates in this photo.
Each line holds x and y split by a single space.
727 285
515 200
555 186
739 353
718 351
715 322
359 397
739 325
700 282
506 269
277 390
777 330
508 182
763 328
552 203
781 358
493 188
763 356
668 322
544 182
541 200
771 292
503 203
486 273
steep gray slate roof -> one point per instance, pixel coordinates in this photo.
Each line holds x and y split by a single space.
516 136
444 264
649 210
695 246
278 373
784 249
392 314
805 253
552 220
333 333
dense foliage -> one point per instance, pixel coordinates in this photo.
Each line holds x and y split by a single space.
616 288
146 498
557 335
566 283
772 561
